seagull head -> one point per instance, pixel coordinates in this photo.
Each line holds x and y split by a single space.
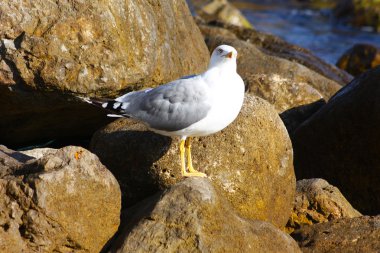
223 55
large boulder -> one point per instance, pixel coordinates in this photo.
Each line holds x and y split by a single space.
360 234
92 47
341 143
193 217
250 162
64 201
317 201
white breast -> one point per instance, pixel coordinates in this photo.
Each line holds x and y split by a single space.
227 98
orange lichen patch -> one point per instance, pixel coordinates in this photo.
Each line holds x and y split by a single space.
78 154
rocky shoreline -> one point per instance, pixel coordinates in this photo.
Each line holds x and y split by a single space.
297 171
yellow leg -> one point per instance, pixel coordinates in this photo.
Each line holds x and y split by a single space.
192 172
188 154
182 154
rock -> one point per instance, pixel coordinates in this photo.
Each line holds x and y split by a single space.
340 143
192 217
360 234
359 58
277 47
317 201
65 201
253 65
50 50
294 117
222 10
281 92
63 118
359 12
250 161
264 73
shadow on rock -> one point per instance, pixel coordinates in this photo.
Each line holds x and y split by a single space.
133 153
340 143
295 116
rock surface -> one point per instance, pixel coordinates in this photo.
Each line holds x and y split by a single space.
275 46
317 201
222 10
55 47
282 93
360 234
359 58
65 201
98 48
341 143
250 161
264 73
192 217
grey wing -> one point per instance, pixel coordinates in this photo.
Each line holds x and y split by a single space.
172 106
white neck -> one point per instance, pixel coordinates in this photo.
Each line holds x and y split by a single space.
225 66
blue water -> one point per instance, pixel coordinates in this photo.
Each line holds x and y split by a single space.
316 30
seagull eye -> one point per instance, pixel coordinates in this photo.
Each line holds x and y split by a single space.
220 51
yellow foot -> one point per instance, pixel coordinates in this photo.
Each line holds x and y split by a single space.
194 174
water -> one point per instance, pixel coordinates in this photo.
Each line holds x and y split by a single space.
316 30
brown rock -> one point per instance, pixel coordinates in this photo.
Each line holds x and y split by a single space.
275 46
283 93
250 161
341 143
264 73
211 10
359 58
93 47
193 217
317 201
65 201
360 234
253 64
91 52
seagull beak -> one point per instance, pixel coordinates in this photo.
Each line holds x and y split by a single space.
229 55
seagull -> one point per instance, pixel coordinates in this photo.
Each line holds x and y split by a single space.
193 106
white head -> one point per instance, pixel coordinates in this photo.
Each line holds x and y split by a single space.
223 55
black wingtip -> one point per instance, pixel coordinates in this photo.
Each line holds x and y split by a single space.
113 106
